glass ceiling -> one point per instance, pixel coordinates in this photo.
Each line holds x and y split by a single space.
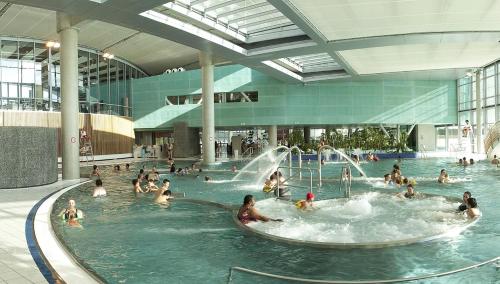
319 62
244 20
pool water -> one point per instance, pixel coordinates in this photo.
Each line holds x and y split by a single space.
127 239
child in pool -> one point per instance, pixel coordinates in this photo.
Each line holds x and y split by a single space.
443 177
306 204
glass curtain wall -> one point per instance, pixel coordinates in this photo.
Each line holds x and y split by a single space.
489 94
30 79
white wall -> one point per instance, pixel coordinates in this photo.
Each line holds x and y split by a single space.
426 136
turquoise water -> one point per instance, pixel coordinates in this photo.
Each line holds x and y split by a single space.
128 239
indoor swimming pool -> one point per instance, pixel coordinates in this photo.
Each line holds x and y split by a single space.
126 238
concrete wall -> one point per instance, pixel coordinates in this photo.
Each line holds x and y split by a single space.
187 141
328 103
28 156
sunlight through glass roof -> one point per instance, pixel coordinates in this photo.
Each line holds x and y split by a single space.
244 20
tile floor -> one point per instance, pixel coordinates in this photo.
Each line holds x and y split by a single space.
16 264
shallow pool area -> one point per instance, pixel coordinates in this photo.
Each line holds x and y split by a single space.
126 238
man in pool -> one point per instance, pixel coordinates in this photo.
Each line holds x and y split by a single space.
466 196
495 161
410 192
137 186
248 213
99 189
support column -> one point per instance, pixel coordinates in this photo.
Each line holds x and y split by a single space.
273 136
479 115
69 98
208 113
307 134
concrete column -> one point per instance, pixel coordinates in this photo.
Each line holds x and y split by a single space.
69 98
307 134
208 113
479 116
125 106
273 136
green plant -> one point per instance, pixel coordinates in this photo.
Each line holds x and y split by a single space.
296 138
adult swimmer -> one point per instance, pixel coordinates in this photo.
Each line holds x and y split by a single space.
71 211
162 196
466 196
247 213
472 210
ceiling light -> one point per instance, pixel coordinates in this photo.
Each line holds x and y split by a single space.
52 44
108 55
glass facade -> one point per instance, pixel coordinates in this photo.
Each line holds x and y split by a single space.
219 98
30 79
489 94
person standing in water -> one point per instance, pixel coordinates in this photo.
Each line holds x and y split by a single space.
99 189
466 196
247 213
472 210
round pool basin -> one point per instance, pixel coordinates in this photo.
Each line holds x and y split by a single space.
366 220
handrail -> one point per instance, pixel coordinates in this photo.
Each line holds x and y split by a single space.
492 136
338 153
304 280
346 180
424 151
300 169
250 149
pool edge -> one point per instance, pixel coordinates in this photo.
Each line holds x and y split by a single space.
55 253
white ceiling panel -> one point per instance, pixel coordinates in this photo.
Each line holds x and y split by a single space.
421 57
151 53
155 54
28 22
365 18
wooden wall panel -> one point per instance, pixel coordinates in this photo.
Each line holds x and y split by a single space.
109 134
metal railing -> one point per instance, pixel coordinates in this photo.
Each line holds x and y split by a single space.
304 280
346 181
344 156
248 152
423 151
492 138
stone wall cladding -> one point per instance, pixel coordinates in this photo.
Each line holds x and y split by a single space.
28 156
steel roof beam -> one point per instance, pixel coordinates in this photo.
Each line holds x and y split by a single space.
196 2
221 5
260 22
252 16
243 9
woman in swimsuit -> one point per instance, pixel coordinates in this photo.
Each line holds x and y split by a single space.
71 211
248 213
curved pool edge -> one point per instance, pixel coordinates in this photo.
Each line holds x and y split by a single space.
55 252
367 245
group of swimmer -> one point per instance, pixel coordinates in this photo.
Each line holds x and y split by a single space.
463 161
247 212
396 178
